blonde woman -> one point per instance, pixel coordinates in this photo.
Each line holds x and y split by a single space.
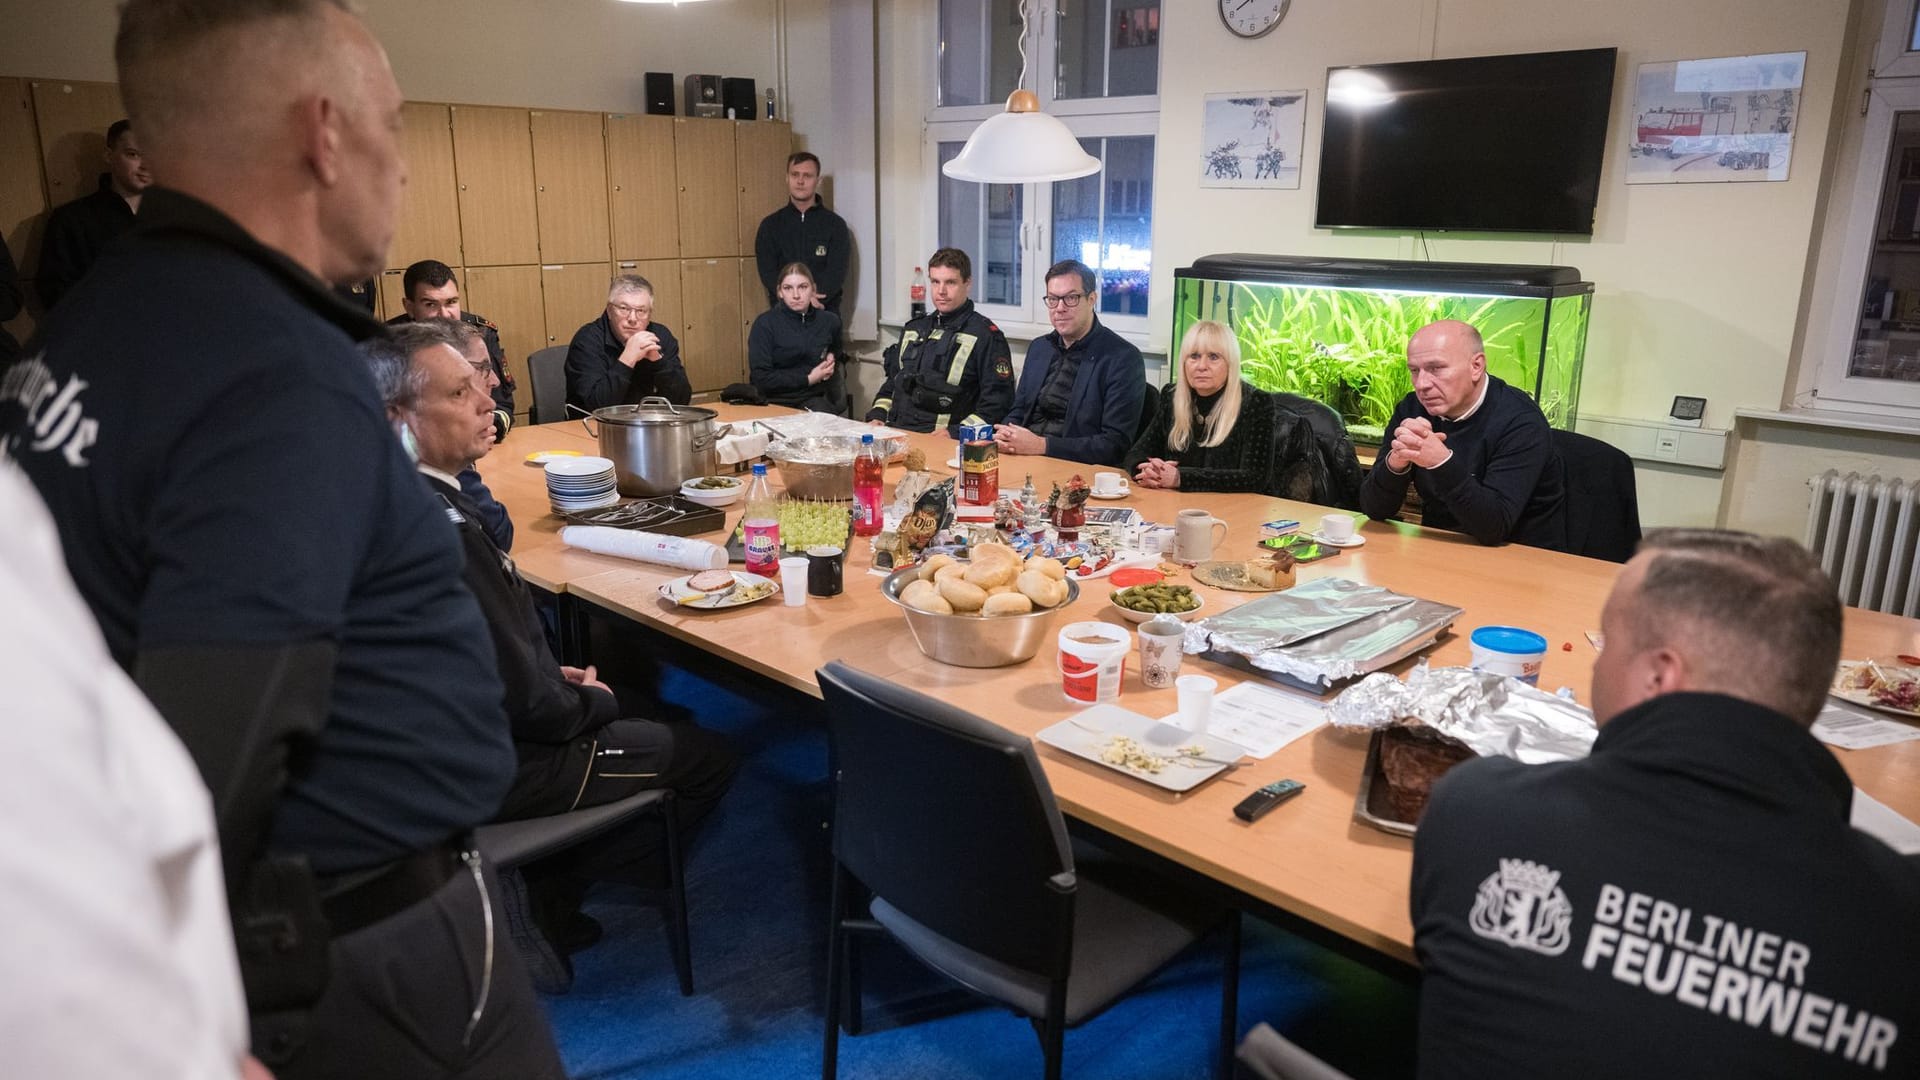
1212 431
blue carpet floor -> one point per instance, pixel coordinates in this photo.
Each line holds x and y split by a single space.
757 883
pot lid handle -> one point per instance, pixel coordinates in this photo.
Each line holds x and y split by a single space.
656 399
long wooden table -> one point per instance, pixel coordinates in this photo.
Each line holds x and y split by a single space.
1310 859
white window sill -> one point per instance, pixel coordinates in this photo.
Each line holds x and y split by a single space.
1834 418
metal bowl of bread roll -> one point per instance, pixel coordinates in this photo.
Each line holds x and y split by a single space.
973 639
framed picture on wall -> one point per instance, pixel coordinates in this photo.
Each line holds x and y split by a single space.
1252 140
1728 118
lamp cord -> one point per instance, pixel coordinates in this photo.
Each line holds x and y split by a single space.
1023 46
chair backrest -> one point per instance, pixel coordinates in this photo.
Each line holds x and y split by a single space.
1149 405
1338 477
948 818
1603 507
547 370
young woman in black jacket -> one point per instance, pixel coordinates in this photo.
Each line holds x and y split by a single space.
793 347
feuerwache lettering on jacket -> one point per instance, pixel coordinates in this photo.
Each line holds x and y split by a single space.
54 415
1746 974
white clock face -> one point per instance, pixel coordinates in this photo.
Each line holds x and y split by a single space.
1252 18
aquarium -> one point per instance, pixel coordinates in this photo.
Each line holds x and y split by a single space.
1336 330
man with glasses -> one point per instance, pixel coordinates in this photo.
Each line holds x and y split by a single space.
1082 386
624 355
429 291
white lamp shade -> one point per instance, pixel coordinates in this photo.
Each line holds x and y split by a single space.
1021 148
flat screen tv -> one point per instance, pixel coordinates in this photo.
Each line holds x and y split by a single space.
1485 143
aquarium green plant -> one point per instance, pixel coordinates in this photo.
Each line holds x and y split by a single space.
1348 347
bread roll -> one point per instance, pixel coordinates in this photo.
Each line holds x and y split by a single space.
963 595
1044 591
929 601
991 552
917 589
1050 567
952 571
1010 603
992 572
933 565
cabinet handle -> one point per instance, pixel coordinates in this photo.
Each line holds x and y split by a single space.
616 187
463 187
542 187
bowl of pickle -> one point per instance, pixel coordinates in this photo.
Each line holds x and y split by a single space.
1142 602
713 490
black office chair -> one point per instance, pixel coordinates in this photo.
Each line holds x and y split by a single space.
513 844
1268 1055
547 370
1296 469
1337 476
1149 405
1603 510
951 824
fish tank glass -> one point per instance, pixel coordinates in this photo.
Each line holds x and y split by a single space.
1336 330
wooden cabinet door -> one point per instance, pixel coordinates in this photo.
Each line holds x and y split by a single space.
645 190
753 301
493 160
73 118
760 165
510 297
392 291
709 205
711 346
23 202
570 177
429 225
576 294
664 275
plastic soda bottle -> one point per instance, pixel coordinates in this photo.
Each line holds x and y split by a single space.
760 525
917 296
869 474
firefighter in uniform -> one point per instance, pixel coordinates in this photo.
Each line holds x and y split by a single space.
429 291
950 367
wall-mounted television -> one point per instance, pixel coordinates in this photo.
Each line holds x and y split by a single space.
1484 143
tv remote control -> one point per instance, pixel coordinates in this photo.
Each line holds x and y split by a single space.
1255 806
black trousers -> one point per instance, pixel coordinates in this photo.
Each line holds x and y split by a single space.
402 997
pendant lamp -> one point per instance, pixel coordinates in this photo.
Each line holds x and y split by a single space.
1022 145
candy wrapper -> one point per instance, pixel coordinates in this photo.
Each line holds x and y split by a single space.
1491 714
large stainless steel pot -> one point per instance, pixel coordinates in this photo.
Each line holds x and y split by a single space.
656 445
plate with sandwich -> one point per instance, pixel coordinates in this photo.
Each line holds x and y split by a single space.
712 590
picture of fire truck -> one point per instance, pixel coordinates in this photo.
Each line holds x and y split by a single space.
1658 128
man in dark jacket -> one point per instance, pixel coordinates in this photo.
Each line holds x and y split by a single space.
804 231
80 230
1082 386
624 355
574 748
1691 899
429 291
951 367
1479 451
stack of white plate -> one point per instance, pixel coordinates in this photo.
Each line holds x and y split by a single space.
581 483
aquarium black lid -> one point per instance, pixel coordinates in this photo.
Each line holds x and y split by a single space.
1507 279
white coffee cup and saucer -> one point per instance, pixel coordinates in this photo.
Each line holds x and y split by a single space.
1110 485
1339 530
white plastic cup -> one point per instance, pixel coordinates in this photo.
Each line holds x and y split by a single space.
1160 650
1093 660
793 580
1196 701
1337 527
1510 651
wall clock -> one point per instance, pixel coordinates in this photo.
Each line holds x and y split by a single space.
1252 18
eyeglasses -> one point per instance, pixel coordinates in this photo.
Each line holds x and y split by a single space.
1071 300
627 311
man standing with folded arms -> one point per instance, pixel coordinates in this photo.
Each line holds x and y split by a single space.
261 557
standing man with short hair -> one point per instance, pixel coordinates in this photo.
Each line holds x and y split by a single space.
805 231
78 231
429 291
950 367
1690 900
262 558
624 355
1083 386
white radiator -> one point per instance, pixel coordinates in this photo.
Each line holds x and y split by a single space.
1866 533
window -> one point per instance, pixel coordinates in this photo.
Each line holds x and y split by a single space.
1868 359
1095 66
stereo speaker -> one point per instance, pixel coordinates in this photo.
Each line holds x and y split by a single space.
739 97
659 93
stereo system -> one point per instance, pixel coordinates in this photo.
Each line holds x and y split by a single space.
702 96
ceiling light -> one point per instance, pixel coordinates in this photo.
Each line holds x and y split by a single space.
1021 145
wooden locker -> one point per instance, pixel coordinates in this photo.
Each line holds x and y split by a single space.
576 294
760 156
73 118
510 297
753 301
710 345
570 177
645 189
429 225
493 161
664 275
23 201
709 205
392 291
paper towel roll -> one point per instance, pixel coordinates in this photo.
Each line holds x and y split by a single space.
679 551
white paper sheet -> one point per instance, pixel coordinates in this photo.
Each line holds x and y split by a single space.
1875 818
1263 718
1859 729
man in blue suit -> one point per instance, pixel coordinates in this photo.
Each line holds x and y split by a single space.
1082 385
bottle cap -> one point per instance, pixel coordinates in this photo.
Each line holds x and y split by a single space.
759 468
866 440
